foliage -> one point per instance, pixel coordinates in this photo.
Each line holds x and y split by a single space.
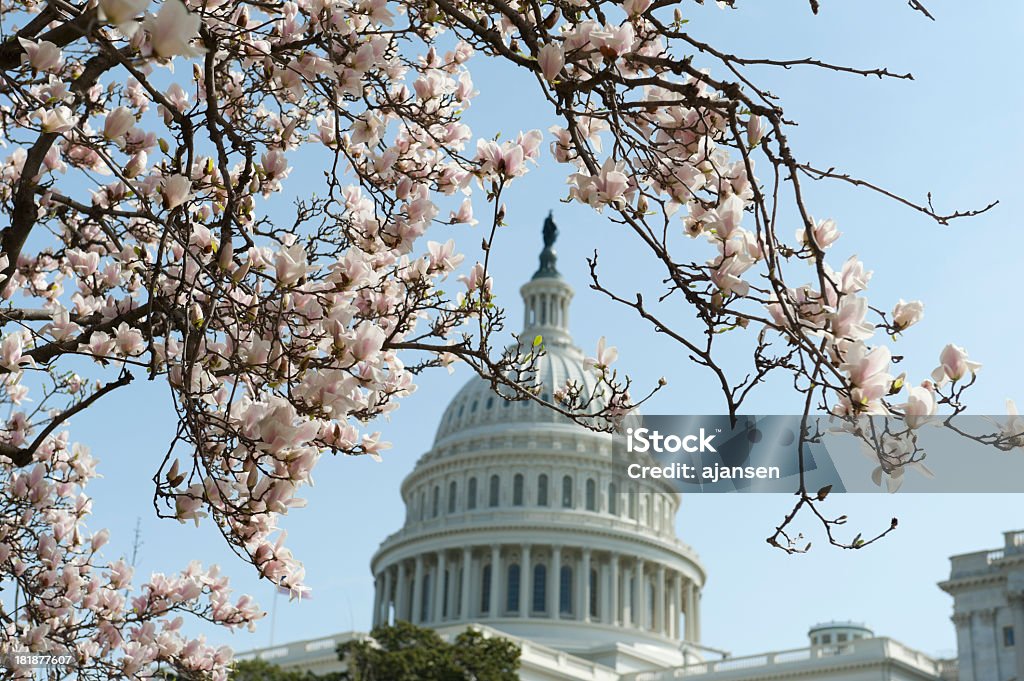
404 652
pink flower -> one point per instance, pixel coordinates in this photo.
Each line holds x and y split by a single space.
906 314
848 321
604 358
121 13
172 31
177 189
118 122
368 342
128 341
100 345
465 214
920 406
755 130
443 257
953 365
824 233
551 60
290 264
59 119
42 55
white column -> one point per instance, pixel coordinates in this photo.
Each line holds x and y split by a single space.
691 588
555 583
437 607
385 612
640 604
417 592
613 593
584 606
495 580
402 589
696 614
677 596
628 605
525 573
378 595
467 579
659 601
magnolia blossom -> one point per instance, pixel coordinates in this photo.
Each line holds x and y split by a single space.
177 189
118 122
173 29
953 365
824 234
121 13
290 264
755 130
906 314
606 355
551 60
920 405
42 55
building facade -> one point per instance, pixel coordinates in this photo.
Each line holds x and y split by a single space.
988 611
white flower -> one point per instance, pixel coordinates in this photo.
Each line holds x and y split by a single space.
118 122
42 55
953 365
605 357
290 264
920 406
122 13
173 29
177 190
906 314
55 120
551 60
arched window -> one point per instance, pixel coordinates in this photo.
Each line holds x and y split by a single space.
452 489
512 591
632 506
593 593
647 515
485 590
517 490
495 490
591 495
542 490
436 504
423 505
490 402
565 591
613 499
540 588
471 495
567 492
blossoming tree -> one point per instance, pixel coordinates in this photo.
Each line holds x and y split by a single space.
143 144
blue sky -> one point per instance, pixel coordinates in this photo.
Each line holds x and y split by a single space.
954 131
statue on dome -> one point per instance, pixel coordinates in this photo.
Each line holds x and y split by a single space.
548 256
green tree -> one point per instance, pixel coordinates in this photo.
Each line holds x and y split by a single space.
404 652
258 670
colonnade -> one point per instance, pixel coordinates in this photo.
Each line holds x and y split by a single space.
539 581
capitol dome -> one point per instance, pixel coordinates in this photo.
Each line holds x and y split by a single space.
514 520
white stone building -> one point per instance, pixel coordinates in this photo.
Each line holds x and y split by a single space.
515 525
988 610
